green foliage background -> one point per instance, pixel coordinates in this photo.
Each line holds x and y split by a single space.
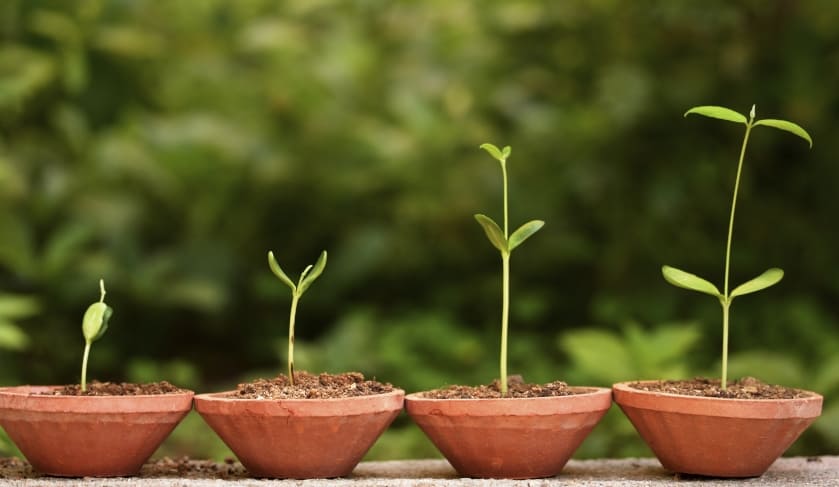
166 146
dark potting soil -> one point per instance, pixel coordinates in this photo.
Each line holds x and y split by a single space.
516 387
310 386
182 468
188 468
96 388
745 388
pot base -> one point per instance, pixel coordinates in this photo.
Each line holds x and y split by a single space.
299 438
523 438
716 437
89 436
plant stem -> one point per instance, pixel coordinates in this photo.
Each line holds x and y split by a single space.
505 289
84 365
505 312
294 298
725 307
506 217
727 301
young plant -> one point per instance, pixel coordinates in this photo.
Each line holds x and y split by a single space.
505 243
307 277
768 278
94 325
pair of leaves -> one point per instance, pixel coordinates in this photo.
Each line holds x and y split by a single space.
723 113
307 277
686 280
95 321
497 238
500 154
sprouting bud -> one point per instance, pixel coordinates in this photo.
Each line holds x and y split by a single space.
752 114
95 321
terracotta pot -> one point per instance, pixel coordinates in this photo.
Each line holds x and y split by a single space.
515 438
713 436
299 438
88 436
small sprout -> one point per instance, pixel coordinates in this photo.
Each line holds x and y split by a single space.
505 243
94 325
307 277
770 277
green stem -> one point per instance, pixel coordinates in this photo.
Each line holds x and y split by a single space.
506 218
505 312
727 302
725 344
295 297
733 208
84 365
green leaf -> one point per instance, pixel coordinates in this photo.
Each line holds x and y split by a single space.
763 281
690 281
17 306
788 126
275 268
495 152
307 278
12 337
721 113
524 232
95 321
494 233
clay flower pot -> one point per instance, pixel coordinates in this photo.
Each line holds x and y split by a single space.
515 438
713 436
88 436
299 438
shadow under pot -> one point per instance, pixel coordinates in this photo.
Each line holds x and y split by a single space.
514 438
716 437
299 438
89 436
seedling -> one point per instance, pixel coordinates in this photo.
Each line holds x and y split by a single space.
307 277
505 245
94 325
768 278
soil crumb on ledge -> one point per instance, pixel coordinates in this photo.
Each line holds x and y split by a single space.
744 388
516 388
310 386
96 388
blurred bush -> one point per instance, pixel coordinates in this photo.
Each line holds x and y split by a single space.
167 146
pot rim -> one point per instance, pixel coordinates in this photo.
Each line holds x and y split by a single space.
217 397
26 397
594 399
590 390
626 395
13 390
215 403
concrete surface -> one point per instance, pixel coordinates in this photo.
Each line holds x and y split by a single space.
812 471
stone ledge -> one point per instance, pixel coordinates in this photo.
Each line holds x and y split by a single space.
815 471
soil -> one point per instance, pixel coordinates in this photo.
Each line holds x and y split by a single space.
310 386
516 388
96 388
181 468
745 388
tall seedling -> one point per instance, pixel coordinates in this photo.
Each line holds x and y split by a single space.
505 245
768 278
